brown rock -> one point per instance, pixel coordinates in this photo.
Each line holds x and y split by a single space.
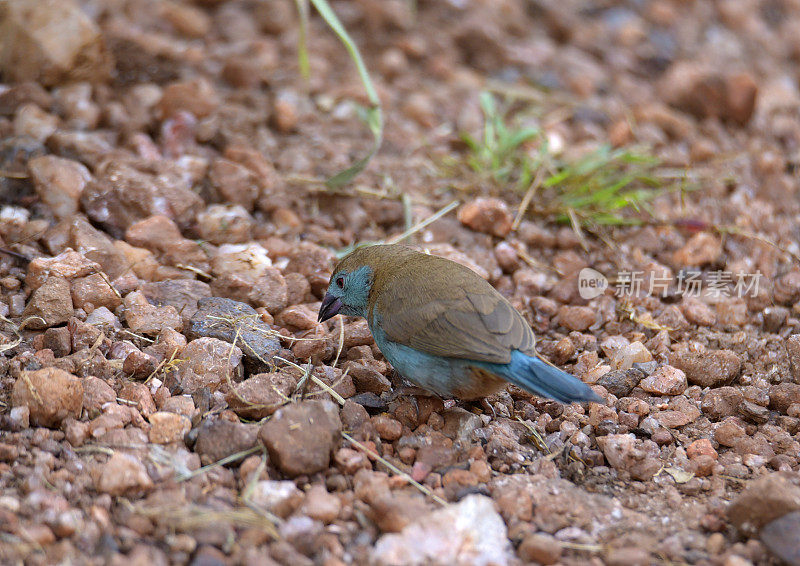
666 380
51 395
168 427
697 312
261 395
630 556
197 97
219 438
234 183
94 290
783 395
540 548
576 317
300 437
487 215
701 249
793 351
721 402
59 183
781 535
58 340
144 318
68 265
729 432
387 427
123 474
208 362
96 393
51 41
622 453
50 304
278 497
321 505
156 233
764 500
621 382
711 368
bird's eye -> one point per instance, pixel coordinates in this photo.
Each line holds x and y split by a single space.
340 282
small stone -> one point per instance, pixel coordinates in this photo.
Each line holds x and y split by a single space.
729 432
51 395
487 215
58 340
701 249
220 438
30 121
793 351
367 378
676 419
225 224
784 395
285 110
629 354
721 402
540 548
197 97
300 437
387 428
230 320
261 395
207 362
621 382
622 453
321 505
123 474
666 380
701 447
576 317
144 318
764 500
59 183
94 290
711 368
781 535
278 497
96 393
168 427
468 532
234 183
51 42
50 304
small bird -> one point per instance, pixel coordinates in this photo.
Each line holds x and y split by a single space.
444 327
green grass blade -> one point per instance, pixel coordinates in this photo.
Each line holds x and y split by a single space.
374 113
302 43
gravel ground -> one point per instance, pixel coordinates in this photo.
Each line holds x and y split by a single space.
160 168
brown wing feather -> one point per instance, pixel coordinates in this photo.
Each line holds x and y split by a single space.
445 309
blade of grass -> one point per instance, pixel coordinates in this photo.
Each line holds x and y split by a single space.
374 112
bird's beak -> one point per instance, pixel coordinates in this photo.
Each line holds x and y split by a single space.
329 308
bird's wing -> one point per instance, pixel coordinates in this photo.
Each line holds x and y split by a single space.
452 313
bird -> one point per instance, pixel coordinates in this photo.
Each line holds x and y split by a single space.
444 327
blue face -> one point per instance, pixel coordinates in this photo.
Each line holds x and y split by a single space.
348 293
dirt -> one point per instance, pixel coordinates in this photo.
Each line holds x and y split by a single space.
167 395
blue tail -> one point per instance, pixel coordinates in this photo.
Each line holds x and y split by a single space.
538 377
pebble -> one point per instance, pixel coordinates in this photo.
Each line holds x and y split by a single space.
261 395
487 215
301 436
711 368
701 249
219 438
576 318
621 382
781 535
123 474
50 394
53 43
764 500
278 497
59 183
168 427
721 402
623 453
634 353
145 318
540 548
666 380
208 362
321 505
468 532
50 304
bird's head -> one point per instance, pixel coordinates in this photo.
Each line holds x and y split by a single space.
348 290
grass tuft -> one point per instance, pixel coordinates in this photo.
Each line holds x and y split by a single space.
598 189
